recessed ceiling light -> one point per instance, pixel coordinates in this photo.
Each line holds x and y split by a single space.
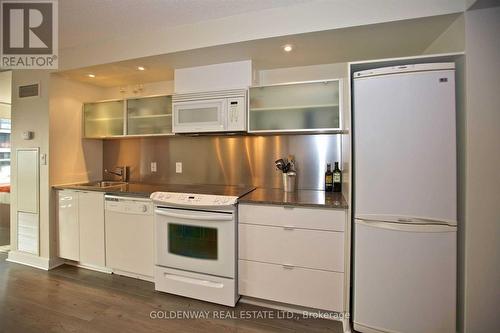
287 48
140 68
91 75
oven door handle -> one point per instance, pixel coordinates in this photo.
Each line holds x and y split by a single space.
219 217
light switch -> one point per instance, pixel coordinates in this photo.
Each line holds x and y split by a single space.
28 135
178 167
153 167
43 159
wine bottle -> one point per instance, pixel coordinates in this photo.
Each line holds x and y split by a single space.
337 178
328 178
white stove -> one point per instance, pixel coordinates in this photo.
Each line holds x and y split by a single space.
196 246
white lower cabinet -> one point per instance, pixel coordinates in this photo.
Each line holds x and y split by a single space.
316 249
292 255
295 285
80 221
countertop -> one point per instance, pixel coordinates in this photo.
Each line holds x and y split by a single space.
246 194
145 190
307 198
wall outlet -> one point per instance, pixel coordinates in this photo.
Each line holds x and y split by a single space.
178 167
153 167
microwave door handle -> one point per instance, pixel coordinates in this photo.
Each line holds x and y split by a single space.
219 217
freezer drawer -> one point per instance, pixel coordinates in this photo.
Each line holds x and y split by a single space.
404 277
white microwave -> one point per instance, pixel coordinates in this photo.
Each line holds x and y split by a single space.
220 111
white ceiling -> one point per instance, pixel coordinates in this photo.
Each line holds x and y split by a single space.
384 40
83 22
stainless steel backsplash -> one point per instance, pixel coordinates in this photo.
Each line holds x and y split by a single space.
224 160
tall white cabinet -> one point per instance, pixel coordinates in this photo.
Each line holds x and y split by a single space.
81 227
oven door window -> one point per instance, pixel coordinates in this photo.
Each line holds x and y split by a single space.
192 241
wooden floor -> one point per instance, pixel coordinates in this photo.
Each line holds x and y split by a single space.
69 299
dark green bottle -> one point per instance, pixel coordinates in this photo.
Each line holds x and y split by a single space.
337 178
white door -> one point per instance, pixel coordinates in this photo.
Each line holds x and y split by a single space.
199 116
198 241
404 146
404 277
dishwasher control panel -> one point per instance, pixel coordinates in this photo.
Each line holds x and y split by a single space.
129 205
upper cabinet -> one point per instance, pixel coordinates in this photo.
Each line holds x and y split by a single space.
103 119
135 116
296 107
151 115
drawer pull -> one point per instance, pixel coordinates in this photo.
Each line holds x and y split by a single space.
288 228
288 266
288 207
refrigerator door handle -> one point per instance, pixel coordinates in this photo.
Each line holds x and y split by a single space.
404 219
407 227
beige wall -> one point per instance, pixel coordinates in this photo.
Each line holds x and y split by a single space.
5 87
451 40
482 209
72 159
148 89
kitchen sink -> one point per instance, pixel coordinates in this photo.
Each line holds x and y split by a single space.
104 184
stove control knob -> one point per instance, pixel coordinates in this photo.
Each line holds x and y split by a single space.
144 208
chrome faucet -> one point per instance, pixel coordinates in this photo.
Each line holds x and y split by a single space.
120 171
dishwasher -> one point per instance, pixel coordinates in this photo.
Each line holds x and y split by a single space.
130 236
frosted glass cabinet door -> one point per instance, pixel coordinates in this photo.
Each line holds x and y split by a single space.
103 119
151 115
309 106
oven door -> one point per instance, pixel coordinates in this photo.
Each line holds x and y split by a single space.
197 241
199 116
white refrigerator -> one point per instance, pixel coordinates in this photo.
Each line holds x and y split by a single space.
405 205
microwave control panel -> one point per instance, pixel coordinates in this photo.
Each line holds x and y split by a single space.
236 114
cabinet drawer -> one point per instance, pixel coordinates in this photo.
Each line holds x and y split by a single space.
315 249
299 286
298 217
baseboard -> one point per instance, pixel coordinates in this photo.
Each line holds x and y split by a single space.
88 266
366 329
32 260
134 275
55 262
